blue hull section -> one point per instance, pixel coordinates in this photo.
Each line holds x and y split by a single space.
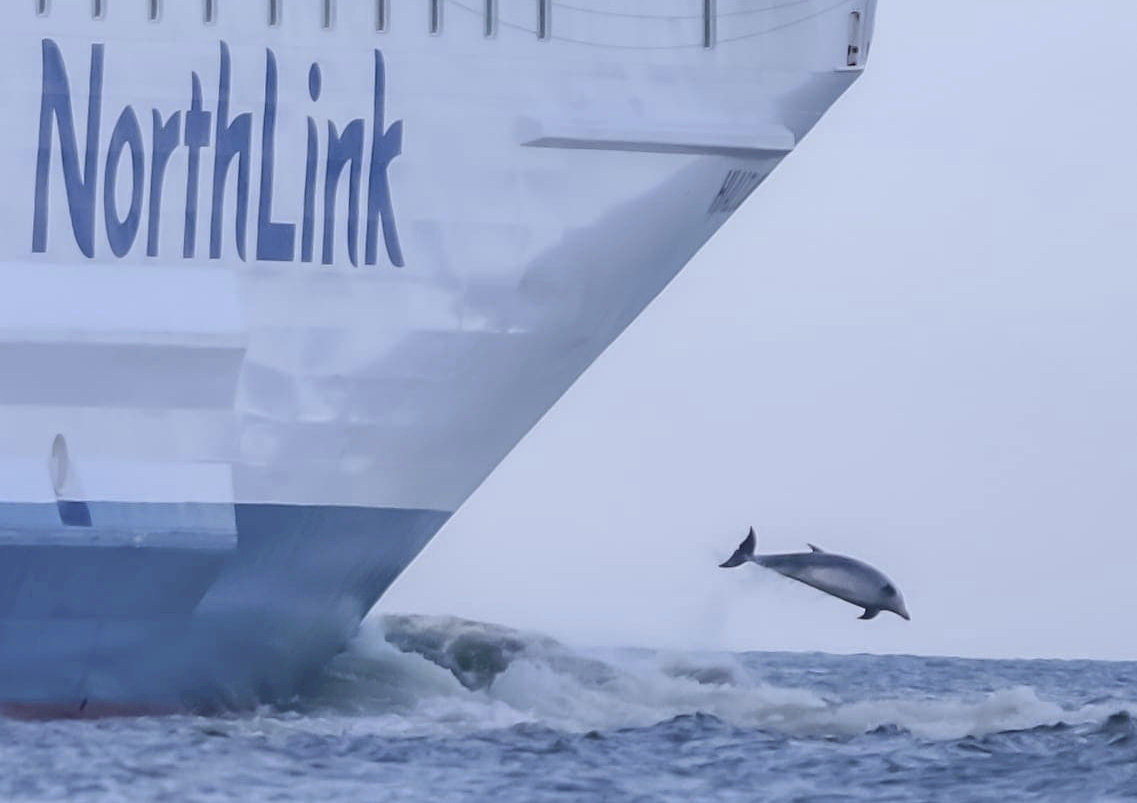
188 606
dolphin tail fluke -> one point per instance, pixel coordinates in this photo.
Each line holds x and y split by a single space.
744 552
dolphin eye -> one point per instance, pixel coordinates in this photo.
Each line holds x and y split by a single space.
888 589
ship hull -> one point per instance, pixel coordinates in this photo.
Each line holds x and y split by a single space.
127 613
279 296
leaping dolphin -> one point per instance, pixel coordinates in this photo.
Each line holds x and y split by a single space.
842 577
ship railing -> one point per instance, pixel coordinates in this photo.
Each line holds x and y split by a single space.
679 24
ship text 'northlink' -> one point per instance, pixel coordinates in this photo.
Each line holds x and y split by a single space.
230 137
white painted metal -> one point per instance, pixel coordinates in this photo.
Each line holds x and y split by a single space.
381 385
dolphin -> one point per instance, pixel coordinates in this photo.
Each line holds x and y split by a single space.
842 577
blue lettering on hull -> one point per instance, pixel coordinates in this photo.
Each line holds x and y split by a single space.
125 162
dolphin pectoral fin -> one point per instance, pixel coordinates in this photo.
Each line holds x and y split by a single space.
869 613
813 548
744 552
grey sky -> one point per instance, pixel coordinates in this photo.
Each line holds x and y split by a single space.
915 344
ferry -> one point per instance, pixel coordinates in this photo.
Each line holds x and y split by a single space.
284 280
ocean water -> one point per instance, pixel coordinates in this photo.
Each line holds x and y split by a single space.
435 709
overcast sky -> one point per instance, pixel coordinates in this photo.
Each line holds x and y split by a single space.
915 344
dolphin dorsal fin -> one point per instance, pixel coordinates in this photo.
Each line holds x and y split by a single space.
813 548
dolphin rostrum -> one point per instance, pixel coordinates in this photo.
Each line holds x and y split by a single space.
843 577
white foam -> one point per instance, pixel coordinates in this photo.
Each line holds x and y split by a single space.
579 691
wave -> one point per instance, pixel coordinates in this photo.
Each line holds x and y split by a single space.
431 675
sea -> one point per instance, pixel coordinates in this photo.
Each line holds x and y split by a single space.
441 709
